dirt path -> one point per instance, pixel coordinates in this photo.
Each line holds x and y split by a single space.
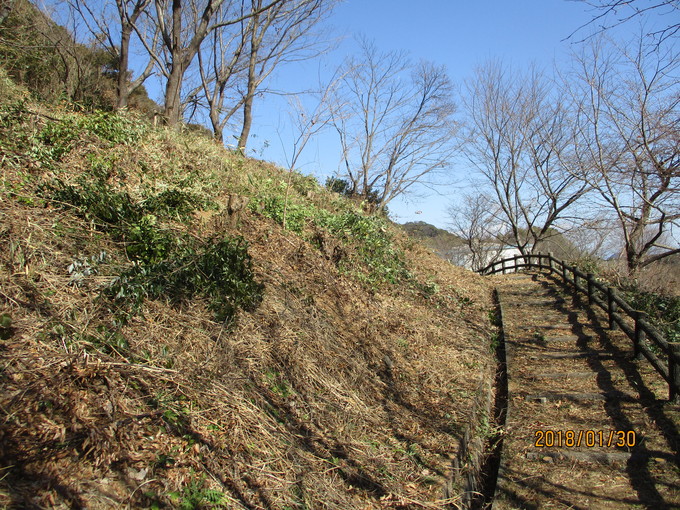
587 427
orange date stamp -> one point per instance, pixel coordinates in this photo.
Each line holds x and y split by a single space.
587 438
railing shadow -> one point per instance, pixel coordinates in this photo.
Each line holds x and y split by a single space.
637 466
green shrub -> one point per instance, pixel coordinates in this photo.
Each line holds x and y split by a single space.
96 201
167 265
174 202
60 136
341 186
373 242
663 311
147 243
220 270
303 184
113 127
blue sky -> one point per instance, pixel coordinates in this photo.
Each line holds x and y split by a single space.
458 34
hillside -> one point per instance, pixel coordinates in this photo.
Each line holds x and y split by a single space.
443 243
166 343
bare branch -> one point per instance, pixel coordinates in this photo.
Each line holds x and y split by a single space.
396 128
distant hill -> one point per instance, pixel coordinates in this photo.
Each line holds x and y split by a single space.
442 242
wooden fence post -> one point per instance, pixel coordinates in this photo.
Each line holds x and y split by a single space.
550 262
564 272
577 291
611 309
503 266
590 288
639 336
673 372
540 261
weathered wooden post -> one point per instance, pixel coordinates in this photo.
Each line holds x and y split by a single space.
540 261
589 278
564 272
612 307
639 336
577 293
551 266
503 266
673 372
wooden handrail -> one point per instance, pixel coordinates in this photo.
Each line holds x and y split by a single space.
616 308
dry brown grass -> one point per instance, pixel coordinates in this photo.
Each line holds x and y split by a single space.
329 395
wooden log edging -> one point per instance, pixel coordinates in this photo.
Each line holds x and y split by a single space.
501 468
467 474
476 465
643 334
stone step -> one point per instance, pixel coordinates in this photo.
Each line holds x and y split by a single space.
573 355
581 397
563 375
594 457
548 327
547 301
601 456
565 338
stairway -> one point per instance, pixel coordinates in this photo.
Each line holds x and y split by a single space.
587 426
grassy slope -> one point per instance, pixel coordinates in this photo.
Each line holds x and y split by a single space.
349 385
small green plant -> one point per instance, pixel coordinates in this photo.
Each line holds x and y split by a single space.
195 496
495 340
538 336
96 201
6 329
278 384
428 289
494 319
148 243
403 343
372 241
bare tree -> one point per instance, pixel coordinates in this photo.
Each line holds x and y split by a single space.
612 13
281 34
307 123
397 124
475 221
112 23
629 147
183 26
221 65
518 137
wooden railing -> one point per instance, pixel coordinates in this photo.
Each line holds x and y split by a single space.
638 328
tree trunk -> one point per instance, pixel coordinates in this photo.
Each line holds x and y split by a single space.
247 120
250 93
173 87
218 133
632 260
123 89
